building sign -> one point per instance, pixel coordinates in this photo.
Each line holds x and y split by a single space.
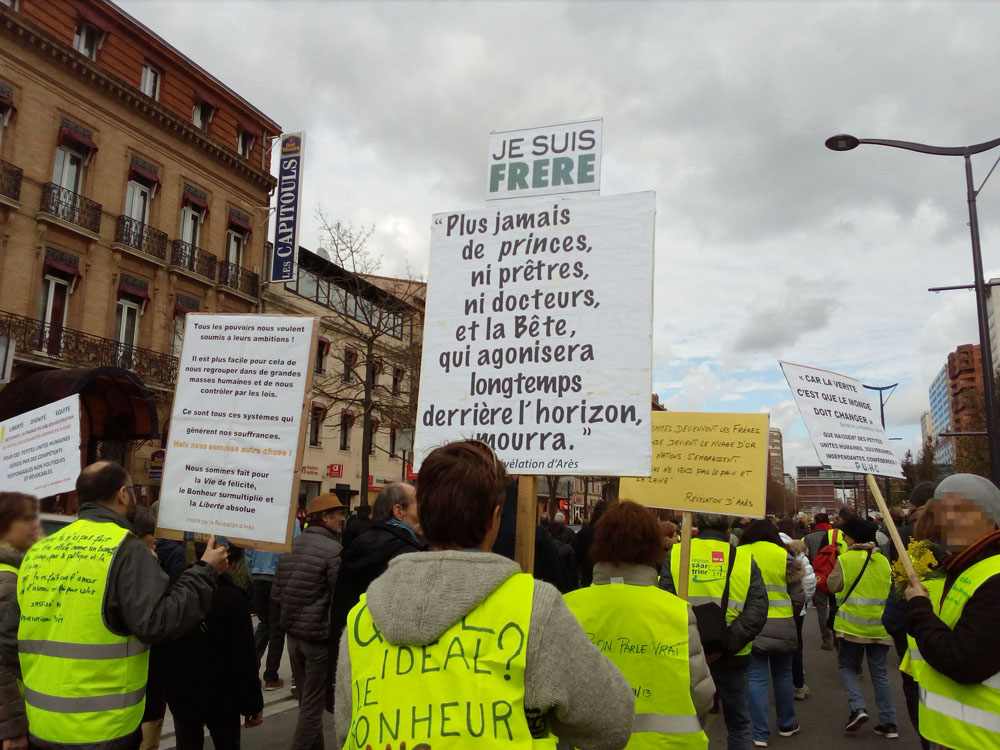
236 428
705 463
538 335
845 429
40 449
549 160
156 464
310 471
411 475
335 471
284 258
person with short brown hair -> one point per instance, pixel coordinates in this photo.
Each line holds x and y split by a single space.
487 646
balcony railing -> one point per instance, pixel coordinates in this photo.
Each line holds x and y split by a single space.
71 207
241 279
78 348
194 259
141 236
10 181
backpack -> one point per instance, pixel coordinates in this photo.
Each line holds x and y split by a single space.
825 561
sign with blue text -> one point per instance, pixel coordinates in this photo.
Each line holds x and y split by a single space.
289 196
549 160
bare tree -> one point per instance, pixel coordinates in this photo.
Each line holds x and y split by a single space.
383 321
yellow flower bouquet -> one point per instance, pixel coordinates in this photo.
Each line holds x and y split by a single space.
925 563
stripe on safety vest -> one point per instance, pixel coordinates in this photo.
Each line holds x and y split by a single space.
776 587
785 602
865 602
666 724
66 650
876 621
959 711
993 682
83 704
694 601
915 655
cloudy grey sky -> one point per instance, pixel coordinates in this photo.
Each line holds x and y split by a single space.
768 245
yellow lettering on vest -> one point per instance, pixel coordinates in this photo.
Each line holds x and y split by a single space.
423 720
359 725
368 692
468 720
384 728
357 635
475 660
399 660
424 669
467 626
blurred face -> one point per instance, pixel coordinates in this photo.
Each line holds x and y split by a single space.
24 531
962 520
408 514
334 520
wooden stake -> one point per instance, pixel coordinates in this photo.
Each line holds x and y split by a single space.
893 533
681 585
527 521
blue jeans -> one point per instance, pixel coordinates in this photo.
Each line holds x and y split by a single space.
733 688
849 657
763 668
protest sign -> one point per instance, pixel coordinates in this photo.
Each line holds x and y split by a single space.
40 449
538 335
705 463
232 465
549 160
842 423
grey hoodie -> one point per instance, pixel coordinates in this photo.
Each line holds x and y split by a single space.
579 693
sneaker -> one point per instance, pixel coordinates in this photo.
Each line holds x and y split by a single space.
827 646
295 690
858 717
760 743
802 693
887 730
789 731
274 684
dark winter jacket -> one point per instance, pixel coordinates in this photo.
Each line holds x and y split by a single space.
304 583
172 557
750 621
12 720
581 547
140 601
568 559
212 670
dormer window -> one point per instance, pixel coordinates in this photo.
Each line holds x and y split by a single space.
88 39
244 142
150 84
204 110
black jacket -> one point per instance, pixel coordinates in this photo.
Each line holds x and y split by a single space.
304 583
212 670
581 547
12 720
548 566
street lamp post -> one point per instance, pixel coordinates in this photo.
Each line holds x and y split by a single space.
848 142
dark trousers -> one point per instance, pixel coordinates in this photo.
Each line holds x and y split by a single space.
733 687
798 673
911 690
223 726
310 668
269 636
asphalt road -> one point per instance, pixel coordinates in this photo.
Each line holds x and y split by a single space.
821 715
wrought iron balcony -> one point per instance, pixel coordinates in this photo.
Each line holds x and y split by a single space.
141 236
194 259
78 348
71 207
241 279
10 181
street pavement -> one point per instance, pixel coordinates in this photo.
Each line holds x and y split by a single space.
821 715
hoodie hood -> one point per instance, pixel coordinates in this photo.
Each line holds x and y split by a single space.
420 596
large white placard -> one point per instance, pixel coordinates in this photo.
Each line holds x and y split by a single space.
547 160
234 431
40 449
844 426
538 335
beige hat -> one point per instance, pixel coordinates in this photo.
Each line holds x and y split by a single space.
326 501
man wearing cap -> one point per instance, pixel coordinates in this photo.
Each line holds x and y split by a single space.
861 580
955 630
303 588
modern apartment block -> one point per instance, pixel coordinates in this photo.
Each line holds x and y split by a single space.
775 456
944 447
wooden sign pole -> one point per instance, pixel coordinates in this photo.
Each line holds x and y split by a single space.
527 521
893 532
681 586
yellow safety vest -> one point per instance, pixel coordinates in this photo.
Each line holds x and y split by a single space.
83 683
841 544
707 579
644 631
773 563
861 613
963 717
464 689
912 662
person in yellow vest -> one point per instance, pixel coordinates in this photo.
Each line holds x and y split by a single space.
90 598
955 631
455 648
19 529
861 581
650 634
744 615
773 649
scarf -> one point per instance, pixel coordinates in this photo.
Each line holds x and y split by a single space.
405 527
956 562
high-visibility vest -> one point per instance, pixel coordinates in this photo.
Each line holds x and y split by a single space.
83 683
838 535
860 614
912 662
464 689
773 563
644 631
707 577
963 717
